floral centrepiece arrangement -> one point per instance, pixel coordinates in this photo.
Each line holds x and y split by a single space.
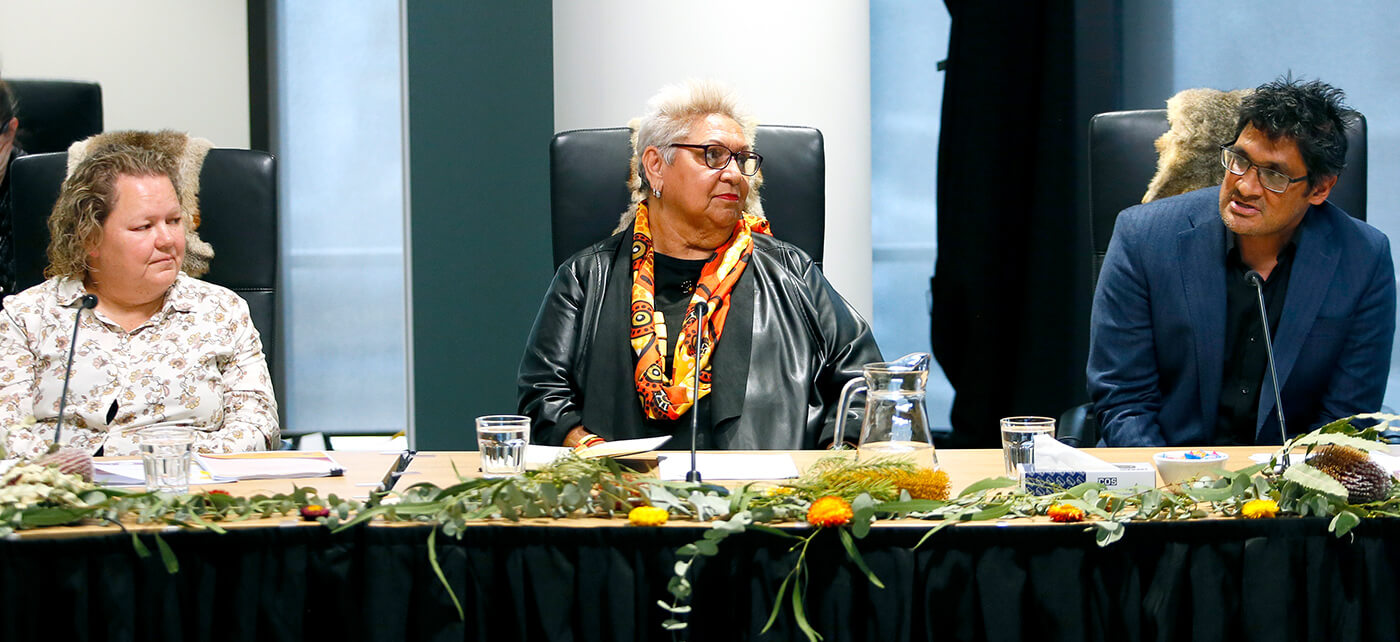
837 495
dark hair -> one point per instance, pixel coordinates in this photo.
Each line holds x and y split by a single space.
7 105
1310 113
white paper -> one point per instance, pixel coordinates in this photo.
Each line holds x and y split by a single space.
274 465
624 447
538 456
718 466
131 473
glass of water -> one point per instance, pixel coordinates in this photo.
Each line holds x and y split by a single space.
502 440
1018 439
165 454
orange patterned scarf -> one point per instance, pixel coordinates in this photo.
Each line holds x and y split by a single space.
662 399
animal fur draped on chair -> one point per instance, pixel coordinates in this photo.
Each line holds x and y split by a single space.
1188 155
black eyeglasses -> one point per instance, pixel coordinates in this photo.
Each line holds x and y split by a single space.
1272 180
717 157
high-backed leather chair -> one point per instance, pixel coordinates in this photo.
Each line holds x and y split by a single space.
54 114
1122 161
238 211
588 170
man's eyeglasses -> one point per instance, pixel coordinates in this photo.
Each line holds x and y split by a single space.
1272 180
717 157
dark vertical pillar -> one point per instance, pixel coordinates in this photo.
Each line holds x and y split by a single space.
481 113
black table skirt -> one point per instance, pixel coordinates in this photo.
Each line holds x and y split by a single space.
1224 580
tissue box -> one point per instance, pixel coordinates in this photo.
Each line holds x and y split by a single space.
1112 476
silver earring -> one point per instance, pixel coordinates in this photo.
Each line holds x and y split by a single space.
656 192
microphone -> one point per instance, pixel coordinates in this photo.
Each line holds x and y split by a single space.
1258 282
694 475
88 302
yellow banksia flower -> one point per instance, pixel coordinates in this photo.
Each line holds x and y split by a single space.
1258 508
924 483
1065 513
829 511
647 516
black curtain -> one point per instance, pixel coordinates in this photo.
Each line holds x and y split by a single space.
1268 580
1011 288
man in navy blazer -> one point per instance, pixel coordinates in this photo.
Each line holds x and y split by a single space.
1176 351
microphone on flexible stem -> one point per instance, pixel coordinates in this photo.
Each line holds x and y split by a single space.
88 302
694 475
1258 282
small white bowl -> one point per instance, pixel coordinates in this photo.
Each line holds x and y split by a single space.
1176 466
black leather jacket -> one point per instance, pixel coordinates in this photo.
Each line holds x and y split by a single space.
790 339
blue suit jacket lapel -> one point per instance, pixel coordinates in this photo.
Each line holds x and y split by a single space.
1313 266
1201 250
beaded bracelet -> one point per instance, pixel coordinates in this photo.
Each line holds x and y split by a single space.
588 442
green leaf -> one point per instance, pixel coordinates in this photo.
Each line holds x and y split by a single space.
679 587
854 553
1309 477
910 506
931 531
167 556
141 550
1107 532
777 604
673 608
442 577
991 512
988 484
862 514
799 614
1339 439
773 531
1343 522
41 516
673 625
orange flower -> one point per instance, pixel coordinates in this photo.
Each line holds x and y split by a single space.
1257 508
1065 513
829 511
647 516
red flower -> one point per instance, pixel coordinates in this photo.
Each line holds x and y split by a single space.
312 511
219 492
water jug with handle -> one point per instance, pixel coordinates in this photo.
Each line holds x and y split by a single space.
896 421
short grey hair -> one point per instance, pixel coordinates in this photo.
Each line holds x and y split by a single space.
667 120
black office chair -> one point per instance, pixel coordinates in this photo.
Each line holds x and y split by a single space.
238 209
54 114
1122 161
588 171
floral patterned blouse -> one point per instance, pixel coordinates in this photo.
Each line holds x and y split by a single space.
198 362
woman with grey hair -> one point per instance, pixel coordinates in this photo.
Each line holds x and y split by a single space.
612 352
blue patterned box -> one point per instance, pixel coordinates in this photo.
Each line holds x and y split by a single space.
1113 477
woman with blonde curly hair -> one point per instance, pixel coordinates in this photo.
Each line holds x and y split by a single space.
159 349
612 355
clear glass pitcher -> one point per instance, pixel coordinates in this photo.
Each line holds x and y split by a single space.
896 421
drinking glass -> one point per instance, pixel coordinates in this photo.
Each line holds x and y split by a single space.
502 440
1018 439
165 456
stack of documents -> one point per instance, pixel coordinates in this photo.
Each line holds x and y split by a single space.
281 464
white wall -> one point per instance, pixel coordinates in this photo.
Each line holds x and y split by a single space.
794 62
162 63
